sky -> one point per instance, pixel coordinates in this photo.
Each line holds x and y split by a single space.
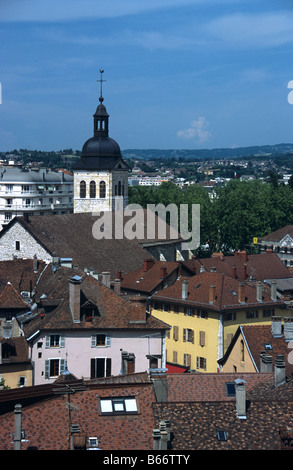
179 74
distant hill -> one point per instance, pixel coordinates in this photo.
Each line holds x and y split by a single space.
210 154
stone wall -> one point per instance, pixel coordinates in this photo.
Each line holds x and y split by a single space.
28 246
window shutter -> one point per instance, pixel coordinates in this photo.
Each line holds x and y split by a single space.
184 335
205 364
47 369
47 341
108 367
62 341
192 336
202 338
93 341
62 365
197 362
175 356
108 341
175 333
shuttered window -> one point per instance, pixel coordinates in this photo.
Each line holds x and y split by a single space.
100 367
54 367
201 363
100 340
175 333
202 338
55 341
188 335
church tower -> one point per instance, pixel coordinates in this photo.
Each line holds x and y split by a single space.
101 174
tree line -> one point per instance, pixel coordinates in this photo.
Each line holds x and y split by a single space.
236 213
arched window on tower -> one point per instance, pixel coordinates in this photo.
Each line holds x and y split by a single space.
102 189
119 188
92 189
82 189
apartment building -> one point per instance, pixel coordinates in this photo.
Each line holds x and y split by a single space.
34 192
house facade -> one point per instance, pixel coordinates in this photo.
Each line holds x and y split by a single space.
86 327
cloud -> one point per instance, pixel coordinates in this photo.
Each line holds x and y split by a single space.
267 29
197 130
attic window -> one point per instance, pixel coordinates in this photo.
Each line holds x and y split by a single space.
122 405
230 389
268 346
222 435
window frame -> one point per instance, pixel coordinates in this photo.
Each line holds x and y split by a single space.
121 402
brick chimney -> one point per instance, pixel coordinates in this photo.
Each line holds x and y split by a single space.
147 264
74 297
137 310
280 370
240 398
241 292
212 294
163 272
244 273
234 272
119 274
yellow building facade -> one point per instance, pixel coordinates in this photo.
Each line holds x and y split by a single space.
204 322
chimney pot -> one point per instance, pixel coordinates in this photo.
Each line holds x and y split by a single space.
147 264
241 292
240 398
163 272
280 370
106 279
266 362
259 291
117 286
74 297
184 290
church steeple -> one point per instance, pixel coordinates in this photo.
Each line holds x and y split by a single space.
101 117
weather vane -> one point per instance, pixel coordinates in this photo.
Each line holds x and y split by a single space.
101 83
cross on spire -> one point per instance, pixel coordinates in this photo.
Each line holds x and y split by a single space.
101 83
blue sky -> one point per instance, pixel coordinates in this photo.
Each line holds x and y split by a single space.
179 73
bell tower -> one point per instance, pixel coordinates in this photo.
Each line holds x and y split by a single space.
101 174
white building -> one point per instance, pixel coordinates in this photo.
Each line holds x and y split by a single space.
34 192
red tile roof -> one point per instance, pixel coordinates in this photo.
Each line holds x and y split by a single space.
11 299
225 292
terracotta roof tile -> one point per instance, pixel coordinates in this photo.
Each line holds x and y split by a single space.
10 298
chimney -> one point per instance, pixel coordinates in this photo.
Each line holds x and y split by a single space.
117 286
240 398
106 279
163 272
156 439
164 435
266 362
280 370
74 297
288 328
276 326
234 272
274 291
137 310
244 272
35 264
147 264
17 426
241 292
212 294
184 290
259 291
119 275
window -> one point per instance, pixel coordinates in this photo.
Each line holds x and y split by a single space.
100 367
230 389
92 189
82 189
102 189
222 435
188 335
54 367
8 216
25 188
201 363
100 340
93 442
252 313
202 314
9 188
189 311
187 360
22 381
268 312
55 341
242 350
123 405
17 245
230 316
